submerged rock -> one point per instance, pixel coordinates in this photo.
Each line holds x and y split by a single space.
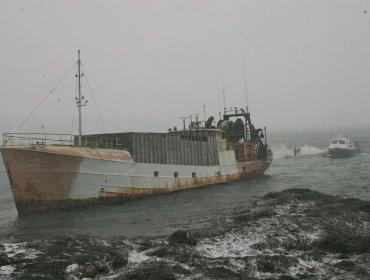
119 257
4 260
275 263
346 265
344 243
182 237
222 273
161 252
151 271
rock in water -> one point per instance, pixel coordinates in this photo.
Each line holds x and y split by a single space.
153 271
4 260
119 258
182 237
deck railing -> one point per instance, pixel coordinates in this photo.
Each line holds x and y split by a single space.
112 143
15 139
21 139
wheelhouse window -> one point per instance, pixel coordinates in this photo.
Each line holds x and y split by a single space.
342 142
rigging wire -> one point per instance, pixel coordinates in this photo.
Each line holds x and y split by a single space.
46 97
94 99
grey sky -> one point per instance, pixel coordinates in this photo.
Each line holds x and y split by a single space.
149 62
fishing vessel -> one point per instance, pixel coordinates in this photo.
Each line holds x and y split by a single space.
342 147
53 171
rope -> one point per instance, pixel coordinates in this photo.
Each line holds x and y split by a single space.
46 97
93 96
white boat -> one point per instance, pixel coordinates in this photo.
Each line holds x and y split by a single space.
342 147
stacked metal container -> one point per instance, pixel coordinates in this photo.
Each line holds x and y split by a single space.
198 147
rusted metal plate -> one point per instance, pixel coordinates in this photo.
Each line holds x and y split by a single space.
55 176
37 175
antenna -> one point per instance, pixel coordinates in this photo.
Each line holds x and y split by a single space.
223 96
245 84
204 112
184 121
80 100
196 123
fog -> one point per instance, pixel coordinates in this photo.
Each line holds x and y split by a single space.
149 62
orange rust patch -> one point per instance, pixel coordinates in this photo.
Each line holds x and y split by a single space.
130 191
44 174
250 169
179 184
200 181
36 176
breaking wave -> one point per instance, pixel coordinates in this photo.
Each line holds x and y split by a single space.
294 234
283 151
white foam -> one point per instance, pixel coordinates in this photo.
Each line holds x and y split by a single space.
313 236
72 268
137 257
292 208
12 249
231 245
307 265
240 243
6 270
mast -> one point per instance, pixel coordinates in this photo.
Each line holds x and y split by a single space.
224 99
246 99
204 113
79 99
245 85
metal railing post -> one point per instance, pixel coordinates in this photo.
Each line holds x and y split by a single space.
10 139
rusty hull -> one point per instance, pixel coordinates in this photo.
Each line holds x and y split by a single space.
36 175
44 177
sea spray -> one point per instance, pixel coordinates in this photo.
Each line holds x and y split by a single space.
283 151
